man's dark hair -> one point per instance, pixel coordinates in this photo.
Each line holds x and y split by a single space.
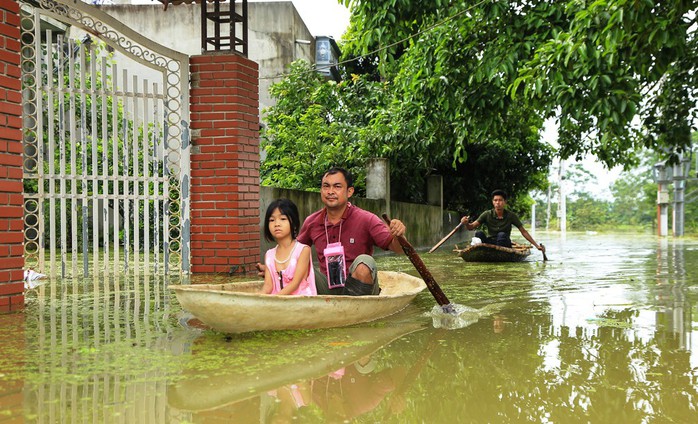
286 207
337 170
499 192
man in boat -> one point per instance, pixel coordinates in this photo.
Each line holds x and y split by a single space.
498 222
357 231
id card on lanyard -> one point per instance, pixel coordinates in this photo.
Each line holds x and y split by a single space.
335 262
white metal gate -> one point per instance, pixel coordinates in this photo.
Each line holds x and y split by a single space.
106 151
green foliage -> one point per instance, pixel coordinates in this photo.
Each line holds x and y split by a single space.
449 85
375 24
611 63
633 205
461 89
428 107
595 65
518 164
635 196
587 213
315 125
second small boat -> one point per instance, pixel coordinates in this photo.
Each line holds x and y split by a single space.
484 252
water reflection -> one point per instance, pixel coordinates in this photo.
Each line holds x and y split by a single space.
284 371
674 310
602 332
96 350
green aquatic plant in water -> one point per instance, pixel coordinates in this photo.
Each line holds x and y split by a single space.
616 319
12 349
214 351
81 333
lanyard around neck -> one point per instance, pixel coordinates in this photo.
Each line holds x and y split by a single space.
327 237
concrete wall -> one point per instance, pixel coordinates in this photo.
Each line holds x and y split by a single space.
275 29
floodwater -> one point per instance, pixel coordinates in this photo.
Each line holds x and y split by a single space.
602 332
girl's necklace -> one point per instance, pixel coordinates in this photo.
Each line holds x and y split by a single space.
289 255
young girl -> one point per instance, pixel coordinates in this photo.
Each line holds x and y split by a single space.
288 266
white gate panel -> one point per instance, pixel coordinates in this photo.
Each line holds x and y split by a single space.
106 152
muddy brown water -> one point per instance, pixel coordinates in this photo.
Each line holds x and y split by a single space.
602 332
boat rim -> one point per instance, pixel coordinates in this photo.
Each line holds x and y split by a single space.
207 288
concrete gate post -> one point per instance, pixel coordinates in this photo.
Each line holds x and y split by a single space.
435 190
224 163
11 189
378 181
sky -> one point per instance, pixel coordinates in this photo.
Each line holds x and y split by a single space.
323 17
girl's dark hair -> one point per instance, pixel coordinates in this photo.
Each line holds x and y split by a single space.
286 207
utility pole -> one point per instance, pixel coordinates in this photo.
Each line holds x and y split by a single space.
680 175
562 205
547 212
662 179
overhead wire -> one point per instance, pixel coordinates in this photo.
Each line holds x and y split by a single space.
380 49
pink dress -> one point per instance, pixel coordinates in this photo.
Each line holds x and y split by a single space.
307 285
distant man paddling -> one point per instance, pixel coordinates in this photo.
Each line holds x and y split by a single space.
498 222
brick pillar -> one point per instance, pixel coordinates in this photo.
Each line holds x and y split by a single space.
224 163
11 223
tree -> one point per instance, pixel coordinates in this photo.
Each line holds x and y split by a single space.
316 124
635 197
595 65
426 109
587 213
618 61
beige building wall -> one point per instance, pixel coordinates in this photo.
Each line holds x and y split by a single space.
277 35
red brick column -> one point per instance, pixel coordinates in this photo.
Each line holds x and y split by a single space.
224 163
11 224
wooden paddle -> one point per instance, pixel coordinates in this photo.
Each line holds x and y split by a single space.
433 287
545 257
397 395
443 240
